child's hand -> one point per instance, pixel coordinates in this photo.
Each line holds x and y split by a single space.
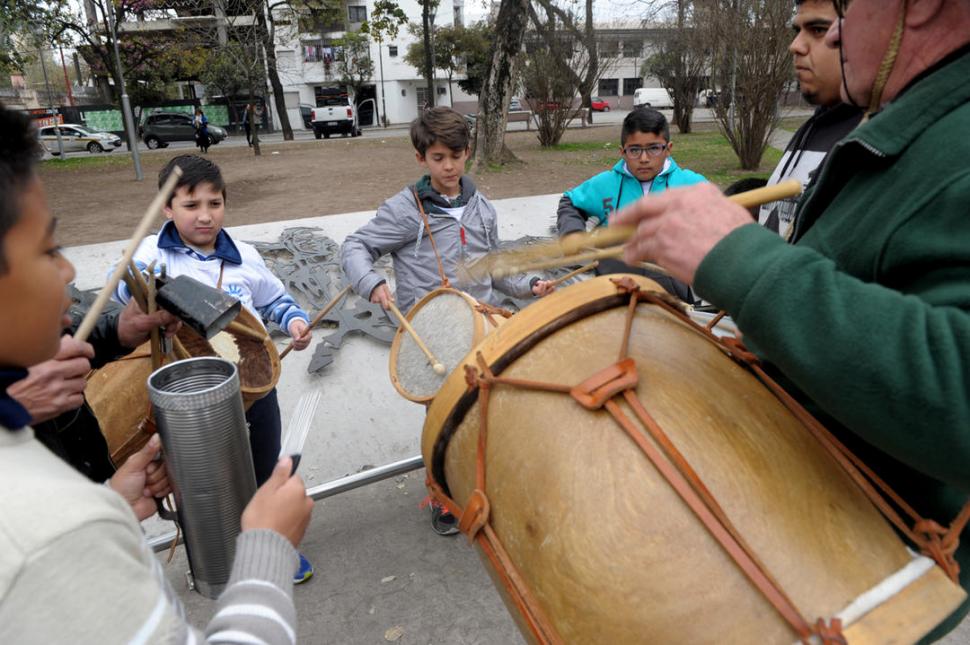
299 331
381 295
543 288
141 478
281 504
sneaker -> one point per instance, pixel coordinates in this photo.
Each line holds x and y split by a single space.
304 573
442 522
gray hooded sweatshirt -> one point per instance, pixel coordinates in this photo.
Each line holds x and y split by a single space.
399 230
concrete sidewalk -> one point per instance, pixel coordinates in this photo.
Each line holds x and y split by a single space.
379 567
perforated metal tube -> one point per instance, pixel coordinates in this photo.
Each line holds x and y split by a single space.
200 417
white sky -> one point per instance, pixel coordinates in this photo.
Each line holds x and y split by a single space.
604 10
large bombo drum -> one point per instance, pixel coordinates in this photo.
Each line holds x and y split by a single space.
117 394
659 492
451 323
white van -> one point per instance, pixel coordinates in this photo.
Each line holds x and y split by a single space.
655 97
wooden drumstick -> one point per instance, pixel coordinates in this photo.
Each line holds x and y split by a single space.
87 325
572 274
316 319
572 248
435 363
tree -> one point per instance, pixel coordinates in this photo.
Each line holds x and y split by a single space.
681 62
223 73
555 19
428 10
453 48
476 44
510 25
266 28
550 90
751 64
354 64
385 20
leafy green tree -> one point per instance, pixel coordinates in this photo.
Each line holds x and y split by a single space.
354 64
455 50
386 19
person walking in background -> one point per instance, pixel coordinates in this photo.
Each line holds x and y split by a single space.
201 124
246 125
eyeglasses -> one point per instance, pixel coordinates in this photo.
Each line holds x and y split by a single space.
635 152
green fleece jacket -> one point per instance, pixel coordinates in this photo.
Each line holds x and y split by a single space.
868 315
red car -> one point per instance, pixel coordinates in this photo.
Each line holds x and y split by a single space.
599 105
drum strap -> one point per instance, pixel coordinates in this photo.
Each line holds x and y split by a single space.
434 246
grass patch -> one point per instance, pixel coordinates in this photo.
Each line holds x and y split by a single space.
578 146
94 161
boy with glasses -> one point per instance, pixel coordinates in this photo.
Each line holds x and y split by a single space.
645 167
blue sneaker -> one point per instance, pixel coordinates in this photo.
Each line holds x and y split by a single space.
304 573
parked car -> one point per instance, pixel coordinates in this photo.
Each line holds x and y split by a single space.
306 113
334 114
655 97
76 138
162 128
599 105
515 105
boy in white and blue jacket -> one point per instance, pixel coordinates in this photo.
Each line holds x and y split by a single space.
193 243
645 167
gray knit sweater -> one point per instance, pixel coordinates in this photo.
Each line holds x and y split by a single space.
75 568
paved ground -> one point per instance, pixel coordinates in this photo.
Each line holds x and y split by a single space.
379 566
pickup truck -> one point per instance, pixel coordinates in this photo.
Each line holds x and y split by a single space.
334 113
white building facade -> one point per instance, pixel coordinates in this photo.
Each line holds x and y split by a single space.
307 62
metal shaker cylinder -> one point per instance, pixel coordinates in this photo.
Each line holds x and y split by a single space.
200 417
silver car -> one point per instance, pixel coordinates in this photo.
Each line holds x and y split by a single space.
77 138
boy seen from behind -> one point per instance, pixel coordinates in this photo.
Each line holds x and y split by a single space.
645 167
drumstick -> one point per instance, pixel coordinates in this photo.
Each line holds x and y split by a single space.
572 274
87 325
245 330
316 319
435 363
569 250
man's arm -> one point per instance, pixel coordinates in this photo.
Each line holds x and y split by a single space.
892 367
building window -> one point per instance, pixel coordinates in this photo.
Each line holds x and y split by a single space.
630 85
632 48
609 86
392 51
356 13
609 48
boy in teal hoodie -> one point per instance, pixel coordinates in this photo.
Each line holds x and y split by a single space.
645 167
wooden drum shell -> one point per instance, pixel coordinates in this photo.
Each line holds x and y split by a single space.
609 551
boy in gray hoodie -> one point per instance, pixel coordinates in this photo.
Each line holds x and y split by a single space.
464 226
462 221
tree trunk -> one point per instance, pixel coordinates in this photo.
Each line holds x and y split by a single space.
274 75
497 87
428 64
254 125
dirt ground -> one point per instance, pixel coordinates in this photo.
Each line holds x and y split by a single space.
99 202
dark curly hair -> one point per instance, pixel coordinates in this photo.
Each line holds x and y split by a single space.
19 151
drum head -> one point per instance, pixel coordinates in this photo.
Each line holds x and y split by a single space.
447 322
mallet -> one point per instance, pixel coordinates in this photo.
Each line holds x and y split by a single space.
436 365
316 319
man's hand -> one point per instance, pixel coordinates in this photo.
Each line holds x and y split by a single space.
543 288
679 227
55 386
299 331
134 326
381 295
142 478
281 504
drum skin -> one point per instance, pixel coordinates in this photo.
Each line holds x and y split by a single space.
411 375
609 551
118 395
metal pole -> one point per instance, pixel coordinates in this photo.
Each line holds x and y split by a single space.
329 489
50 104
125 104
